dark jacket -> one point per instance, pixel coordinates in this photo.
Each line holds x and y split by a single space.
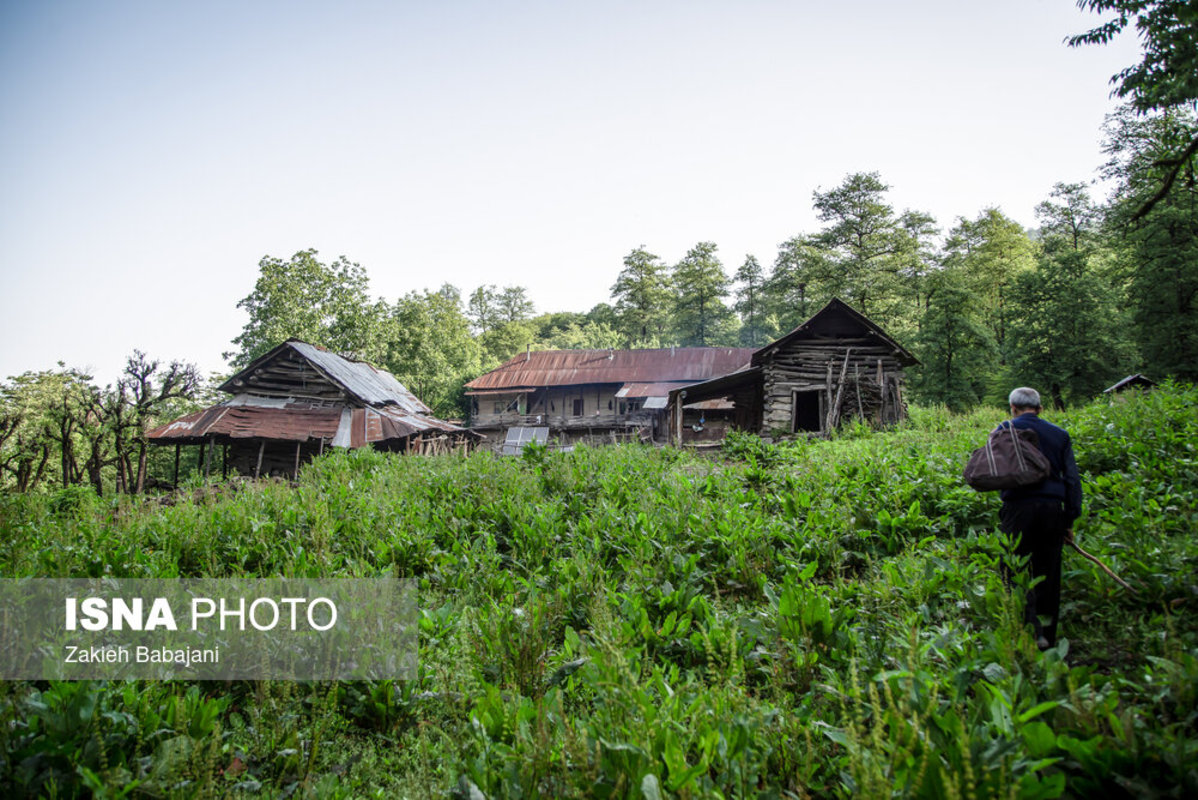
1064 483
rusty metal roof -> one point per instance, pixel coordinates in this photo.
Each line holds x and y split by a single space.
375 406
575 367
341 426
660 389
251 422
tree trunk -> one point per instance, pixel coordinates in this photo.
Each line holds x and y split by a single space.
141 466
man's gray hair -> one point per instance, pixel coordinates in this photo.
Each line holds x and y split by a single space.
1024 397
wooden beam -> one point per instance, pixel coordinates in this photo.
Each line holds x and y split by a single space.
295 473
258 466
177 448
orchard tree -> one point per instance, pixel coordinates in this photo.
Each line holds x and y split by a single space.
147 389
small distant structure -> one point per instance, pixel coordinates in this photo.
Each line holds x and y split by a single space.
837 365
298 399
1136 381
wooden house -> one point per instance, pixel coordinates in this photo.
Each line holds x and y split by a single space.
838 365
1136 381
600 395
293 402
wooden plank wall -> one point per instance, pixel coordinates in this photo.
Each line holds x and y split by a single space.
858 378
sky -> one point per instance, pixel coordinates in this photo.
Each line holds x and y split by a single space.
152 153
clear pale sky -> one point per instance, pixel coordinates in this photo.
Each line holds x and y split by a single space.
152 152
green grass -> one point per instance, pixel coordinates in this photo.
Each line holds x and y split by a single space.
814 619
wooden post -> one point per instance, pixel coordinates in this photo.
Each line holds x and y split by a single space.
678 417
321 453
177 448
828 392
208 458
224 462
881 394
834 414
200 460
857 383
258 466
295 473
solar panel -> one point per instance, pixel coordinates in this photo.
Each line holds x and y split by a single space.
517 438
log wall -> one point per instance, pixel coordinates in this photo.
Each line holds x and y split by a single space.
855 378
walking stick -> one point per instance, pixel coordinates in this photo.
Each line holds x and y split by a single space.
1105 568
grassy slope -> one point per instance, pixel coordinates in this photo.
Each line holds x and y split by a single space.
815 619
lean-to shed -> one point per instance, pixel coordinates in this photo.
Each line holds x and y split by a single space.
837 365
293 402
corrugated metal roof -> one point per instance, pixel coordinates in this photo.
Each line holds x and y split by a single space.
661 389
251 422
1131 380
369 384
379 408
342 426
363 381
574 367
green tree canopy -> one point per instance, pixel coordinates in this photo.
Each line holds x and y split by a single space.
750 304
642 299
1158 250
701 319
878 255
1166 77
324 304
430 348
988 252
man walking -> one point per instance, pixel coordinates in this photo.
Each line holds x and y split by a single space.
1042 515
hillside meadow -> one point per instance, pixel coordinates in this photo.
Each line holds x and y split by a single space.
807 619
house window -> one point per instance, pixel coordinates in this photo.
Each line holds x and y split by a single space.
498 408
578 406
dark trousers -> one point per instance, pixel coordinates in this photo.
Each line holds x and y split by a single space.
1040 526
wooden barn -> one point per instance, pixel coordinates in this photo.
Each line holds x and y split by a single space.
298 399
836 366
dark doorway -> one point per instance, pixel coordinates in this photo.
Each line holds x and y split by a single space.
806 412
578 406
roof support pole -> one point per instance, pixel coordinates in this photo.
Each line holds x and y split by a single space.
177 448
200 460
295 474
258 466
224 462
